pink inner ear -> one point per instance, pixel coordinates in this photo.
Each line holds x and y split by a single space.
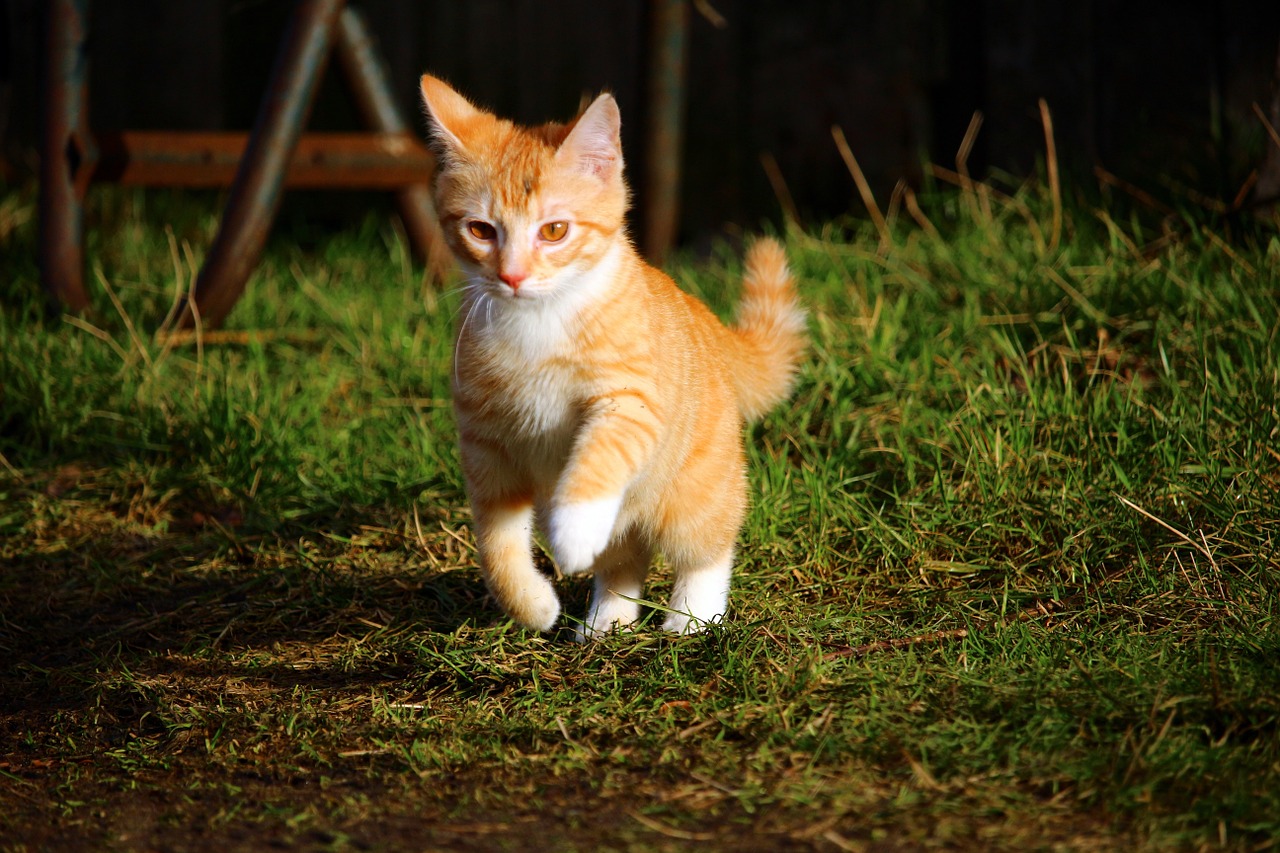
593 144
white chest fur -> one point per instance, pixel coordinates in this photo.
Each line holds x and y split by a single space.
530 354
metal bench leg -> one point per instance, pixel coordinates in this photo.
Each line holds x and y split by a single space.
367 76
668 44
67 154
255 196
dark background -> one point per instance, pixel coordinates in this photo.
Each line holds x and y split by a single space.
1157 92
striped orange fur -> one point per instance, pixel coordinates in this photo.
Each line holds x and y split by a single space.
593 397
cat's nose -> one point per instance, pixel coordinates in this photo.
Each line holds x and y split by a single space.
512 278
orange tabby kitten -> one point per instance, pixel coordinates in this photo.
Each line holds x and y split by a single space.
590 392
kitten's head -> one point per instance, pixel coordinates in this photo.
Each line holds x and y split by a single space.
527 211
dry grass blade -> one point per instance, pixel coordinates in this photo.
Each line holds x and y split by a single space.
921 773
979 196
1230 252
180 287
913 208
967 141
8 467
1262 117
1242 195
966 183
864 188
1051 165
197 331
976 192
780 189
710 14
670 831
1167 526
134 337
842 843
236 337
85 326
1077 297
1137 193
895 201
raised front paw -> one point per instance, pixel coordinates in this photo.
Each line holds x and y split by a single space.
580 531
538 607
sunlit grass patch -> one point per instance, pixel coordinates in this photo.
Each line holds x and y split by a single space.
1009 578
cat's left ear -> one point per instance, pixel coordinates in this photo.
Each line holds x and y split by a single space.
450 116
594 145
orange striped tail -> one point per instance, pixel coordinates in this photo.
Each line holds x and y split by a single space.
768 337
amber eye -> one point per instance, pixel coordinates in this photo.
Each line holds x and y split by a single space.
482 230
553 232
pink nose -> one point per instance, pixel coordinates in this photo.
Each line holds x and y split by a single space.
512 278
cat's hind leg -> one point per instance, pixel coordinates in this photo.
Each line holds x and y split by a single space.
700 596
699 548
701 522
619 580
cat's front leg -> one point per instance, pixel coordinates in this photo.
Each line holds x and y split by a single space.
504 531
502 515
614 444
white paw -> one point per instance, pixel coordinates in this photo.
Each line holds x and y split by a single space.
534 605
683 623
540 611
612 614
580 531
700 598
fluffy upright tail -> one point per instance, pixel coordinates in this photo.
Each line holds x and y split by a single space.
768 336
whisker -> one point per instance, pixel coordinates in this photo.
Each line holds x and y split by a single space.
475 285
480 297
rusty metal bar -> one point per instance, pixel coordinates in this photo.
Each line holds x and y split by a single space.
211 159
668 39
67 153
368 78
255 196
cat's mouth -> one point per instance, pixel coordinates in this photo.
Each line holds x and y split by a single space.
526 290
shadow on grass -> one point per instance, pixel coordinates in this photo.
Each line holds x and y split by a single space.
190 687
284 607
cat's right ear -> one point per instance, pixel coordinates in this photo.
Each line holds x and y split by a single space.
594 144
450 117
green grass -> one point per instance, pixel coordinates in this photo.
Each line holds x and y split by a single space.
1010 578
